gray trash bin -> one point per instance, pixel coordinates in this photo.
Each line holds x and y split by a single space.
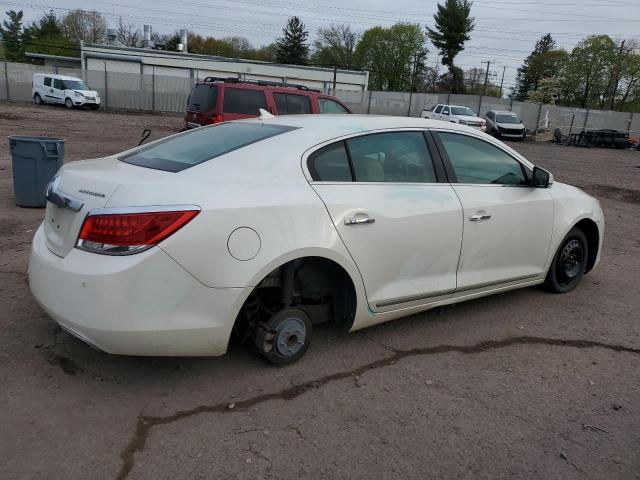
35 160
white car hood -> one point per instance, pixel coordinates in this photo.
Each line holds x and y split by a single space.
469 118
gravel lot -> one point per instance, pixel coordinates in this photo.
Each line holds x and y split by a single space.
521 385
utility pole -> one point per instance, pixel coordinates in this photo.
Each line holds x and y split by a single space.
484 88
502 81
617 77
335 75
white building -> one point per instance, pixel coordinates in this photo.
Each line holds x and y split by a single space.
146 61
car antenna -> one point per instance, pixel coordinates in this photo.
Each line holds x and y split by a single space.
264 115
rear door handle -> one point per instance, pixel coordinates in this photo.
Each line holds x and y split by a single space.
359 220
479 217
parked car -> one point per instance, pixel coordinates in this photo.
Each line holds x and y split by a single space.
456 114
507 125
68 91
266 227
216 100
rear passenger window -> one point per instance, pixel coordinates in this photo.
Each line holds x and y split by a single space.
438 109
330 164
58 84
47 81
289 104
400 157
244 101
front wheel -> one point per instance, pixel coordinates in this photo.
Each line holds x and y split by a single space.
68 103
569 263
286 337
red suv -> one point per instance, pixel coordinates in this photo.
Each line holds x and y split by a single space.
217 100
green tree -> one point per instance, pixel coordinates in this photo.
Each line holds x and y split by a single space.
335 45
529 75
46 36
266 53
11 36
394 56
292 47
546 93
626 76
453 25
587 77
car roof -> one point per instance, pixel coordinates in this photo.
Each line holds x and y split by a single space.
320 128
312 131
502 112
58 76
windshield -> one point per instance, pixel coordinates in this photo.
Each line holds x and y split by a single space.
180 152
511 118
75 85
203 98
462 111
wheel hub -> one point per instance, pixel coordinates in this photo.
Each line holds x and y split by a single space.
571 259
290 337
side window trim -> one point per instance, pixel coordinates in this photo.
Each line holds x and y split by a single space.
440 166
449 167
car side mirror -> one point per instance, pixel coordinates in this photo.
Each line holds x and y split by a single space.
541 178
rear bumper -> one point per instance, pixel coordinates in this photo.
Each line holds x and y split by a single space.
144 304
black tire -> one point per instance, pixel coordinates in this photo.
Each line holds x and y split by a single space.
569 263
37 99
68 103
285 338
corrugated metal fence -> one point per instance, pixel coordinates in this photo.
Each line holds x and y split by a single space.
169 94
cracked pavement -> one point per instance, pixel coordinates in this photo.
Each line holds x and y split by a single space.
524 384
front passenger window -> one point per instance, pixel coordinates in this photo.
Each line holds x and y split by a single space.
476 161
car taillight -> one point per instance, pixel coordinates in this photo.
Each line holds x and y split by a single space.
216 119
125 233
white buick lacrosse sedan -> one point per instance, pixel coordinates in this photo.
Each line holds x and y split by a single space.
265 227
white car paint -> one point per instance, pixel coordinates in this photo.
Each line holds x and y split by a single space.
54 88
500 129
445 113
182 296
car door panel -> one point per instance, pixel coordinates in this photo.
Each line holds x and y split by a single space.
411 249
403 234
507 223
513 243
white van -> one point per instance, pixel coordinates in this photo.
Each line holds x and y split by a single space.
69 91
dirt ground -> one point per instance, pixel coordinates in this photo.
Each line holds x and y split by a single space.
521 385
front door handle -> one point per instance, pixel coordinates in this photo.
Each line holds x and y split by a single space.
359 220
479 217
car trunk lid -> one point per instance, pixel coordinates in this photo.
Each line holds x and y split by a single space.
82 186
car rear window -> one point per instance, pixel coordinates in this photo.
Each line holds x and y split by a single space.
180 152
203 98
244 101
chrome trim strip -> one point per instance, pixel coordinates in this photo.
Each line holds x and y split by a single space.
415 298
149 208
61 199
